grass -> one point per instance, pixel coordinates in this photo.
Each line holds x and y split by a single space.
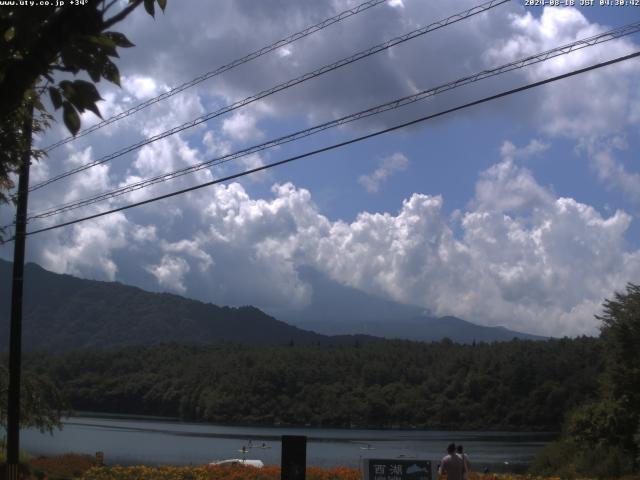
24 456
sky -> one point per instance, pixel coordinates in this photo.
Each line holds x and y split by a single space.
521 212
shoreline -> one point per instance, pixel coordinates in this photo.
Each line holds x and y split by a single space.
393 428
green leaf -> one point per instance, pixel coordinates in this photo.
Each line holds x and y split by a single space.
10 33
110 72
149 7
92 107
81 94
86 46
102 40
86 97
73 58
94 72
119 39
162 4
87 90
70 117
56 98
33 97
67 89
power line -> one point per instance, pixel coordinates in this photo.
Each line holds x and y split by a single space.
342 144
527 61
320 71
290 83
205 76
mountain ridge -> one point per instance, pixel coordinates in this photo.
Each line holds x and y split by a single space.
63 312
341 309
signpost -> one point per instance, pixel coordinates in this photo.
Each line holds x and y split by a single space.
294 457
396 469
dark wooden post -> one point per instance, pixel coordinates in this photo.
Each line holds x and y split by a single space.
294 457
15 339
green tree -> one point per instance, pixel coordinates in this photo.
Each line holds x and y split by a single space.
38 43
620 332
42 403
605 423
602 438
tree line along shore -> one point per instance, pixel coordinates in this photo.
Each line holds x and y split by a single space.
518 385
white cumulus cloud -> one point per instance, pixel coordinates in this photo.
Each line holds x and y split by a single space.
387 167
170 272
519 255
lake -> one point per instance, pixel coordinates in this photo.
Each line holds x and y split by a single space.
133 440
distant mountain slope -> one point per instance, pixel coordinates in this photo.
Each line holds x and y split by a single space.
424 329
336 303
338 309
62 312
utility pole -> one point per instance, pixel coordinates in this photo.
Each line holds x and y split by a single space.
15 339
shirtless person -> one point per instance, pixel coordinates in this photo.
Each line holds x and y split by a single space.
452 465
465 459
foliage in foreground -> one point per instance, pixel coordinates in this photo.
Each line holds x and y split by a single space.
74 466
249 473
41 403
24 456
38 43
601 438
69 465
83 467
566 459
213 473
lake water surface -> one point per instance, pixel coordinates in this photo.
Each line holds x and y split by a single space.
130 441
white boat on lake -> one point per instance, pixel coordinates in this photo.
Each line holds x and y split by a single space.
239 461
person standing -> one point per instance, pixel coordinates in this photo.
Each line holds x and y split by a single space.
452 465
465 460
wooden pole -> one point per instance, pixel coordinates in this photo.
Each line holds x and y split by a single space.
15 338
293 463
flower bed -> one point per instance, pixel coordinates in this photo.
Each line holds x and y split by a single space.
227 472
82 467
69 465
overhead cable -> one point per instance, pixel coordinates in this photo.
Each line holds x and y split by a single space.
288 84
341 144
518 64
205 76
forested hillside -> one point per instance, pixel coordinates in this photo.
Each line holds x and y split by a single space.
62 312
513 385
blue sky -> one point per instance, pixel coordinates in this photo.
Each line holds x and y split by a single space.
522 212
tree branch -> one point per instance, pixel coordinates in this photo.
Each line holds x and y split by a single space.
107 7
122 15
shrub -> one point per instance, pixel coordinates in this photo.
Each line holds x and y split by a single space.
567 459
70 465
